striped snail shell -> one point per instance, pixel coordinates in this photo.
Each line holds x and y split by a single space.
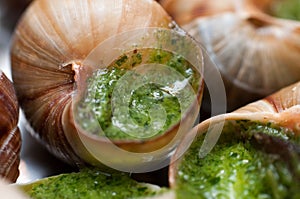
10 137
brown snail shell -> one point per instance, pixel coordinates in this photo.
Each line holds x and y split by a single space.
281 109
49 47
256 53
10 137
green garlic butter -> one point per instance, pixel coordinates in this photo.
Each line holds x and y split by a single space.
90 184
131 104
236 169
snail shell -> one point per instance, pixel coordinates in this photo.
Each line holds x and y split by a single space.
256 53
50 44
10 137
281 109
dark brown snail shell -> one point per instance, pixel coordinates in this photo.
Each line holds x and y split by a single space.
10 137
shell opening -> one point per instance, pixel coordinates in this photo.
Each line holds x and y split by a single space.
247 149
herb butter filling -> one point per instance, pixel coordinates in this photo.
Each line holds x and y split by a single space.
237 167
154 106
91 184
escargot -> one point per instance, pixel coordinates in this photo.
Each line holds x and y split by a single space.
256 155
254 43
108 185
67 57
10 137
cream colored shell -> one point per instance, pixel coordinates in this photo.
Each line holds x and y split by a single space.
257 54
